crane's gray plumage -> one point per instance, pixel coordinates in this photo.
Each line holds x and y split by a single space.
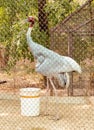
41 53
63 79
51 64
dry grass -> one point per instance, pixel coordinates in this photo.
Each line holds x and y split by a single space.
22 76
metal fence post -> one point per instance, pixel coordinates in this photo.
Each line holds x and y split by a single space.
70 54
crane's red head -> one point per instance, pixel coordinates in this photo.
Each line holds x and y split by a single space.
31 20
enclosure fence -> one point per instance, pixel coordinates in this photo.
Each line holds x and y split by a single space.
22 105
75 38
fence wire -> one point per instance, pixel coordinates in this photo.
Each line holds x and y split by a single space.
77 32
22 105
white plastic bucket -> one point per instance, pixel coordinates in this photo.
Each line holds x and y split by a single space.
30 101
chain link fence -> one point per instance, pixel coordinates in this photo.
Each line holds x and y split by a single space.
75 38
63 29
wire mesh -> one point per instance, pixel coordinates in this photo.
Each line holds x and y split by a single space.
74 37
79 44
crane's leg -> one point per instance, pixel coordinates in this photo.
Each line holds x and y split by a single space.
56 111
46 102
45 113
54 88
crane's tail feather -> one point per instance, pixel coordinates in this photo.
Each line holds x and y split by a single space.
67 79
63 79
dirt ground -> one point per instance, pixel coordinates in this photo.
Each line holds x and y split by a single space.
22 79
75 114
23 75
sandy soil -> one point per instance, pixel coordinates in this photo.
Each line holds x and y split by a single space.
73 116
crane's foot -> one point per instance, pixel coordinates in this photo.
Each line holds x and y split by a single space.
45 114
55 118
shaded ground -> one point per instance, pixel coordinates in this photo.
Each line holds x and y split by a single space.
21 79
23 75
75 113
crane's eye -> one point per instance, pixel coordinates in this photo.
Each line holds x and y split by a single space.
31 19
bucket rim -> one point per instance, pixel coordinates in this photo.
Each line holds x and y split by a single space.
30 89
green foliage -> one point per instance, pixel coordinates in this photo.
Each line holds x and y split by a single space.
58 10
13 32
40 37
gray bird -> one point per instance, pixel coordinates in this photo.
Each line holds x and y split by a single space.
50 63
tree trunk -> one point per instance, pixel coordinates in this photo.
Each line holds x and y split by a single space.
43 22
42 16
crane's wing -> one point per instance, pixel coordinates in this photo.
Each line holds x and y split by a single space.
72 64
49 62
58 64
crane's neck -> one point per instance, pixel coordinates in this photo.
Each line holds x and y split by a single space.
32 45
29 38
29 34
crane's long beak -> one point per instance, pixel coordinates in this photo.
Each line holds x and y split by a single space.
23 21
